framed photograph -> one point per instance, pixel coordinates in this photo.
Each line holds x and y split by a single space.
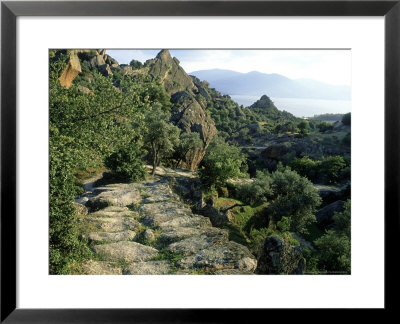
163 158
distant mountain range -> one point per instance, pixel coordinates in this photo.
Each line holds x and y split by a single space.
274 85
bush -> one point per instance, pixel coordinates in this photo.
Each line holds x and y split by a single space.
346 119
126 164
305 167
334 247
324 126
256 192
136 64
331 167
296 198
334 252
221 162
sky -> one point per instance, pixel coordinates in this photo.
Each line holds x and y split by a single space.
329 66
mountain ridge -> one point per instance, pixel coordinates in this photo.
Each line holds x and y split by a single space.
256 83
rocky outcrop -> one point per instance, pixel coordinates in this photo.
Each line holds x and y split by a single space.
278 256
171 74
188 112
190 116
72 69
160 236
325 215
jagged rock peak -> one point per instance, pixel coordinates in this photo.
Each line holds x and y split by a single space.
169 71
164 55
263 102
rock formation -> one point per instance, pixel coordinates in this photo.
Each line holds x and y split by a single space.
188 94
161 236
70 72
188 111
278 256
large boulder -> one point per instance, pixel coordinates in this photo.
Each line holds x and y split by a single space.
278 256
148 268
114 197
190 116
91 267
217 218
125 251
325 215
194 244
230 255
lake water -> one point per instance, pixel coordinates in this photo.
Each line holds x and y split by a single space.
301 107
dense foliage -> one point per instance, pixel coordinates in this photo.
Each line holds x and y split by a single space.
221 162
126 164
161 137
334 246
85 128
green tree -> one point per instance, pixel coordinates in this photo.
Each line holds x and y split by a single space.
84 129
334 247
161 137
258 191
305 166
188 142
126 163
304 127
136 64
221 162
324 126
331 166
342 220
295 197
346 119
334 252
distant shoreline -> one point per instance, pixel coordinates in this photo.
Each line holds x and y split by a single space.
301 107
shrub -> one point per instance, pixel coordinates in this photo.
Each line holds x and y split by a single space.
334 252
324 126
296 198
305 167
126 164
284 224
136 64
331 166
221 162
258 191
346 119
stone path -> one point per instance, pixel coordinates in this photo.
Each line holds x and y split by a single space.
144 228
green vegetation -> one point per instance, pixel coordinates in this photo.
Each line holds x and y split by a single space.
136 64
188 142
296 198
126 164
330 169
160 136
346 120
221 162
85 130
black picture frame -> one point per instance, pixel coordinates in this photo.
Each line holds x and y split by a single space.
10 10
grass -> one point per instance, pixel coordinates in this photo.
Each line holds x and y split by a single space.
81 175
243 218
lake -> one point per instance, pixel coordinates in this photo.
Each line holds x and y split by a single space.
301 107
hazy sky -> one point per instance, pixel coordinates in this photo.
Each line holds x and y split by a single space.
329 66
